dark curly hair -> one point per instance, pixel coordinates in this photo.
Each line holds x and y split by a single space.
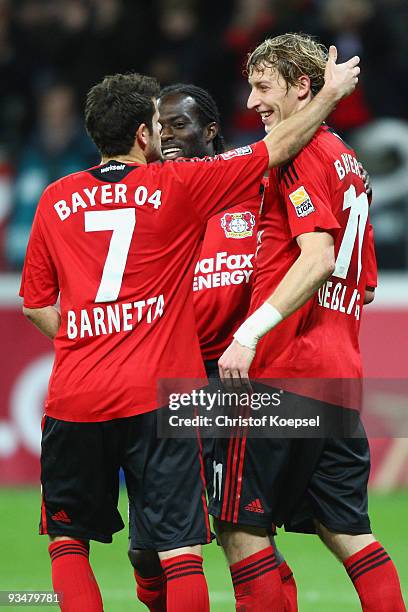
116 107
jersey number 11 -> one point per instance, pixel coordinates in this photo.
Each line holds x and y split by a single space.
356 224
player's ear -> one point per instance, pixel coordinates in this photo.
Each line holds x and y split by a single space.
303 86
211 131
142 136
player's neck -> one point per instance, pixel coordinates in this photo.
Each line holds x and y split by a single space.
126 159
302 103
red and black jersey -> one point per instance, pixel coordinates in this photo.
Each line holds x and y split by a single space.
320 190
223 275
119 243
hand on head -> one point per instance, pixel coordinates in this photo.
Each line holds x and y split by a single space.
342 78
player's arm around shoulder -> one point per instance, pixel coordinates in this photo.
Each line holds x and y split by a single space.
47 319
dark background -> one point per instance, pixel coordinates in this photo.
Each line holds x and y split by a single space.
52 51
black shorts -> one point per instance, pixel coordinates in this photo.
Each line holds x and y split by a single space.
291 482
165 482
208 444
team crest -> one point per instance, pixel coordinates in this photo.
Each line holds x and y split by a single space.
302 202
238 225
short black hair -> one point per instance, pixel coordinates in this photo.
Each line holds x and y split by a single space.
116 107
207 109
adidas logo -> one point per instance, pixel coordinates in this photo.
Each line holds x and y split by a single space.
255 506
61 516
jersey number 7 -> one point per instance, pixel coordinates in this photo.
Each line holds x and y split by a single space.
122 223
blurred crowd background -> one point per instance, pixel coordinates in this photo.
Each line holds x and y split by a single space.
52 51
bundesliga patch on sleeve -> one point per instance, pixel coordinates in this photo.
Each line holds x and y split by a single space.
247 150
302 202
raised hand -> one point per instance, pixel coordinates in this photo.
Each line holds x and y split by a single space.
341 79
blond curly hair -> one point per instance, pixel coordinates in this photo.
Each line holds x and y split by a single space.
292 55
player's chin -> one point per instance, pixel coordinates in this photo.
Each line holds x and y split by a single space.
270 126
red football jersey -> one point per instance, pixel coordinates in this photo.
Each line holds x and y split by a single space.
119 242
320 190
223 276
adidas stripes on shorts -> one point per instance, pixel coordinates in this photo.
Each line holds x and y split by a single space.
165 481
292 482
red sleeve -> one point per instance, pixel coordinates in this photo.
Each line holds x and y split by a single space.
225 180
39 282
304 186
372 271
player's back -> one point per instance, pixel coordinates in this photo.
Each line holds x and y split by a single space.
321 190
343 293
124 261
119 242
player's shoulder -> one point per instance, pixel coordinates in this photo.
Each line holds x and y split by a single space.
110 172
325 143
182 165
338 157
61 184
255 149
310 157
318 155
183 169
187 165
330 144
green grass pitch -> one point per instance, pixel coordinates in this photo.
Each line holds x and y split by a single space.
322 583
